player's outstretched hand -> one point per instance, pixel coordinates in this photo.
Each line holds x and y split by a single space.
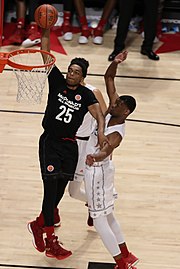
121 57
90 160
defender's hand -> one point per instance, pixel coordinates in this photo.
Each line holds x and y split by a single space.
102 140
89 160
121 57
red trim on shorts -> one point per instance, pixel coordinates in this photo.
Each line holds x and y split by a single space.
68 139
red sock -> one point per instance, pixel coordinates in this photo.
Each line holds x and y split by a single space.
33 27
124 250
83 22
67 16
49 231
20 22
101 24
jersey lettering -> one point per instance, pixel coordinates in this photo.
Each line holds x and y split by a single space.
65 114
69 103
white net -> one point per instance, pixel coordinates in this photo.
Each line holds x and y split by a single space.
31 83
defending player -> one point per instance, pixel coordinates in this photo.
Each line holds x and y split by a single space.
99 175
75 187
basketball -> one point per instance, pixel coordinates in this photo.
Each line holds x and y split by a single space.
46 16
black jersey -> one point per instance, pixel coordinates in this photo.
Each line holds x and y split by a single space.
65 107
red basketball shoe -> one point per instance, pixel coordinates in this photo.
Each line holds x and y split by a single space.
33 36
126 266
37 233
67 32
85 34
98 36
18 36
55 250
131 259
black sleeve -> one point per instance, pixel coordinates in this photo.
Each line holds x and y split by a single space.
54 76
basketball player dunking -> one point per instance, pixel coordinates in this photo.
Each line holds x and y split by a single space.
68 102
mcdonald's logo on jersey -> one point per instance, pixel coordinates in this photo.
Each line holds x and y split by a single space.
78 97
50 168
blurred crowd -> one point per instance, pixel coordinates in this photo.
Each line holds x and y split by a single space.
140 16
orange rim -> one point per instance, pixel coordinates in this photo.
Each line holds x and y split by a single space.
28 67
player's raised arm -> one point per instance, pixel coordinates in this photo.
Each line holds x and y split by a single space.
45 16
110 75
45 42
101 101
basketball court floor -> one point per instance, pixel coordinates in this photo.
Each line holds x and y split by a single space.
147 165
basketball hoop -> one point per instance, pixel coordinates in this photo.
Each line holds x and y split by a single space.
30 70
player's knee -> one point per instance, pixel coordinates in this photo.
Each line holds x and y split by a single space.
73 189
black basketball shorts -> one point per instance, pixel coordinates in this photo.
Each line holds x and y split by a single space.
57 157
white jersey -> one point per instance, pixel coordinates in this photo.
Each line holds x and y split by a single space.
99 178
86 126
84 131
92 142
